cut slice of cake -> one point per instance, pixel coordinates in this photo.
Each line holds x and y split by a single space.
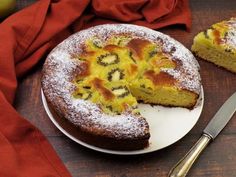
218 44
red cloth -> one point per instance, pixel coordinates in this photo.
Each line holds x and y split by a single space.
27 36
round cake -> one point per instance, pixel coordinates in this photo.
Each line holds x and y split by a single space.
95 79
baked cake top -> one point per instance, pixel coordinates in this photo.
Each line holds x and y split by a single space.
64 64
222 34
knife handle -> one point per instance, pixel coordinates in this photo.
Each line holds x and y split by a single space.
183 166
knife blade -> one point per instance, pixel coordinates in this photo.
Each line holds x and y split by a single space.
221 118
213 128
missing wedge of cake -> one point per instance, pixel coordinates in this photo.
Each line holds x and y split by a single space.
96 77
218 44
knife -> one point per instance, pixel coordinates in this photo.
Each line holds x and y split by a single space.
214 127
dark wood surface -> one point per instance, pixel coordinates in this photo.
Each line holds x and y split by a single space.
218 160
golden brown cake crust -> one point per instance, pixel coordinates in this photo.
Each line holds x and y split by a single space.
61 68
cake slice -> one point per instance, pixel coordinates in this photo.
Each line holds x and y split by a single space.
218 44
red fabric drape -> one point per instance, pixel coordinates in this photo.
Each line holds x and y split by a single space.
28 35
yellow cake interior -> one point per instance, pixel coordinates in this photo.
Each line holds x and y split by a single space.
119 73
218 44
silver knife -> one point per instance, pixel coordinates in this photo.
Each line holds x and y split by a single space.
213 128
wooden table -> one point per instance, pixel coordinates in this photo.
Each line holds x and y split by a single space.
218 160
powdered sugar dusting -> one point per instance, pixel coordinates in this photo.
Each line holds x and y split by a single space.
230 35
126 125
231 38
58 88
60 66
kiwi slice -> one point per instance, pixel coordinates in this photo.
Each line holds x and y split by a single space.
131 57
115 74
97 43
108 59
87 95
120 91
153 52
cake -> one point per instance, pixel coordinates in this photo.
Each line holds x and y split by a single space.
218 44
96 78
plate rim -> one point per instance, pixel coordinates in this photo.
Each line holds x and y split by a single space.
115 152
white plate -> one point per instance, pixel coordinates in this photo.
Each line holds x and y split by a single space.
167 125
